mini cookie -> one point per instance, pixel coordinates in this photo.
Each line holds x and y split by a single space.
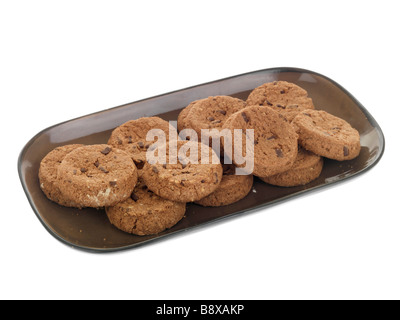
306 168
145 213
131 136
97 176
232 189
284 97
275 140
48 174
189 179
327 135
182 117
211 113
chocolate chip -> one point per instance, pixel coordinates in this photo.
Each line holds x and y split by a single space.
210 119
113 183
83 170
164 166
106 151
130 139
216 178
273 137
268 103
103 170
223 112
345 151
155 170
279 153
134 197
182 184
245 118
202 181
281 106
147 146
97 163
275 83
119 141
140 144
283 91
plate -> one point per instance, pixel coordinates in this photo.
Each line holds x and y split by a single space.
90 230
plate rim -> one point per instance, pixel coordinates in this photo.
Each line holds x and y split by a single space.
161 237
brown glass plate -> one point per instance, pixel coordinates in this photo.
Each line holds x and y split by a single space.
89 229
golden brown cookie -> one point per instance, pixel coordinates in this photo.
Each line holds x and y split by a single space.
211 113
306 168
282 96
131 136
97 176
182 117
275 140
188 179
233 188
145 213
48 174
327 135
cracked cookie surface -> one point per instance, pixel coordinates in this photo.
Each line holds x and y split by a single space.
97 176
48 174
183 177
275 140
131 136
327 135
284 97
145 213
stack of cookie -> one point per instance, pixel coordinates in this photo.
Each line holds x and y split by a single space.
145 197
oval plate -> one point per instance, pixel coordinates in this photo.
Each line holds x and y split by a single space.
90 230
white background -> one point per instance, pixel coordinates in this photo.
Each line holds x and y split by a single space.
64 59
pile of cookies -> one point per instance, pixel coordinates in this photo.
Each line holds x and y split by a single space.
291 138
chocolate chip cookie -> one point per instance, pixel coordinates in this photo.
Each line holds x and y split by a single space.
327 135
306 168
145 213
48 174
184 176
182 117
131 136
274 144
233 188
211 113
97 176
282 96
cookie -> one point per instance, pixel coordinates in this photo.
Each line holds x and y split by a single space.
131 136
232 189
275 140
48 174
145 213
211 113
189 179
306 168
97 176
182 117
327 135
284 97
